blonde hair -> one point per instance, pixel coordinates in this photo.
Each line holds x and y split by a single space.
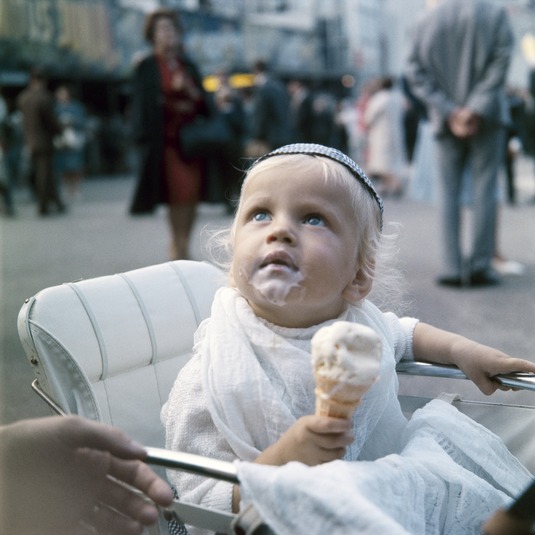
377 252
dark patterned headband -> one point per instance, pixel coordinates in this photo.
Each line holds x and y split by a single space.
314 149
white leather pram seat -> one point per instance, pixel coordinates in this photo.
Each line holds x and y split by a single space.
110 349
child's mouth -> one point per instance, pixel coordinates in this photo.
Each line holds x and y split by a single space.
278 260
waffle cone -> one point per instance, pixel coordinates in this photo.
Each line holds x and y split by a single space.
337 399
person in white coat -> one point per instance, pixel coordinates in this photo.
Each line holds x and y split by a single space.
383 118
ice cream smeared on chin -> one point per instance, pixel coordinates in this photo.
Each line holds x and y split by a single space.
346 358
275 278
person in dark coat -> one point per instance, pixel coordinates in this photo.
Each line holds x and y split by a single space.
301 112
271 126
167 94
40 126
230 161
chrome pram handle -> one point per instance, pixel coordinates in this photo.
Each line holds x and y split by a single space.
523 381
195 464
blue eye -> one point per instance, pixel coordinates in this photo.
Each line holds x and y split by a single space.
314 220
260 216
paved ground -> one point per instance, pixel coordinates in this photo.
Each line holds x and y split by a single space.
97 237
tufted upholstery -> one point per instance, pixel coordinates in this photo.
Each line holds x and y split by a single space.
110 348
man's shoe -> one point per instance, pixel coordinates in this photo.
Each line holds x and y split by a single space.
484 278
451 281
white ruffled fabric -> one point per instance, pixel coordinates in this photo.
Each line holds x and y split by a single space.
451 475
249 381
242 354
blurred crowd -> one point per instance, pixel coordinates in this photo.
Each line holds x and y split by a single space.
87 143
393 141
81 142
384 128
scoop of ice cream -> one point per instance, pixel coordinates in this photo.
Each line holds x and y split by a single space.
347 352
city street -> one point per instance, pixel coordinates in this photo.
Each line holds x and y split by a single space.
98 237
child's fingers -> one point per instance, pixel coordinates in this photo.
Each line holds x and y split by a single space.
488 385
334 454
334 440
325 424
518 365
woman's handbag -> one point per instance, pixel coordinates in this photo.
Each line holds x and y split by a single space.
205 136
70 139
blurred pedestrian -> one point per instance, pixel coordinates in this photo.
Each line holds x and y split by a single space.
70 144
514 139
40 127
323 119
415 113
167 94
386 159
6 189
270 114
341 128
457 65
15 143
301 113
67 475
229 162
365 93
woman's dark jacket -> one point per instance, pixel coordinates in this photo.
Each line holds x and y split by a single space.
148 131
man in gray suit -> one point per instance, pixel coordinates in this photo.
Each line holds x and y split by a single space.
458 65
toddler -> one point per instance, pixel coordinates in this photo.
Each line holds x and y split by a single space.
304 243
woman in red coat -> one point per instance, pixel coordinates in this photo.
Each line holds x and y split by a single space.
167 93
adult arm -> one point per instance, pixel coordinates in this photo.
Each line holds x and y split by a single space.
483 95
146 108
422 81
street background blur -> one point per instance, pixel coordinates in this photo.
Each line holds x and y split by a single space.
337 48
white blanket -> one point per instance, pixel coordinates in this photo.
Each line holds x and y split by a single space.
451 475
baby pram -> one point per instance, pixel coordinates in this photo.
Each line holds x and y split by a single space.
110 348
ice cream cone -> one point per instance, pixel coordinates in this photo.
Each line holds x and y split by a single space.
346 359
337 399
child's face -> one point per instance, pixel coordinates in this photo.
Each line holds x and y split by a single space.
295 252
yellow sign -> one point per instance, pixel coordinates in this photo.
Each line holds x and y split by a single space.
237 81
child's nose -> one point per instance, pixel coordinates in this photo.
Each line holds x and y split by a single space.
281 230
